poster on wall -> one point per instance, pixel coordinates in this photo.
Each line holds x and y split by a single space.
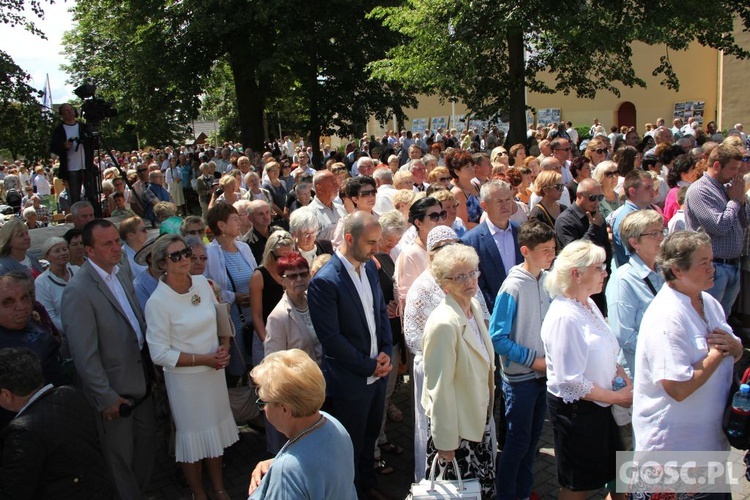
439 121
545 116
690 109
418 125
459 123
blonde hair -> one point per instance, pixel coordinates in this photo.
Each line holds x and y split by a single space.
436 173
293 379
226 180
276 240
402 199
601 169
165 209
8 231
545 179
576 255
635 223
443 195
318 262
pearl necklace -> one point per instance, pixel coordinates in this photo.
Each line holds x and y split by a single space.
301 434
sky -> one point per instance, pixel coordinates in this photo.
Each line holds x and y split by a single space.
40 57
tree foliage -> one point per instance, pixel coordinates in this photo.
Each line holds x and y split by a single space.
157 59
475 50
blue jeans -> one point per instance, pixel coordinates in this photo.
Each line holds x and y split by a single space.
726 285
525 409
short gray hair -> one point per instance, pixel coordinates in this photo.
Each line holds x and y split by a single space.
393 222
303 219
485 193
159 252
635 224
409 167
77 206
677 251
447 258
383 174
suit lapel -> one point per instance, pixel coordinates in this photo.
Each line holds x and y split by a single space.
350 288
491 248
104 289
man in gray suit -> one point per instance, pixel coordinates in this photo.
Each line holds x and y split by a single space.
107 340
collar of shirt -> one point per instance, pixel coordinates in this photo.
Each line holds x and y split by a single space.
639 267
33 398
349 266
104 274
494 229
578 211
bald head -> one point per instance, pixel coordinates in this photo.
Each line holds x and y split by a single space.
586 185
551 163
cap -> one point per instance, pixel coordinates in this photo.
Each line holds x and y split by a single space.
50 242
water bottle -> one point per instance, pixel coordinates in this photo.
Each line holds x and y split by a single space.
622 415
738 417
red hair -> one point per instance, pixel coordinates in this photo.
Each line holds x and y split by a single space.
290 261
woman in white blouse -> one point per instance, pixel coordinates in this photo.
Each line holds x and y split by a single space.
581 353
684 359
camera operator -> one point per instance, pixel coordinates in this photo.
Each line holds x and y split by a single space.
69 142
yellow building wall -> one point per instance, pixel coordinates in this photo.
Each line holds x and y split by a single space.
697 69
735 105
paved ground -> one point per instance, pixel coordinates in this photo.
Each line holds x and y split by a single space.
240 459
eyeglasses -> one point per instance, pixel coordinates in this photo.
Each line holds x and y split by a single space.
201 258
610 173
436 216
297 276
260 404
195 232
593 197
654 234
460 278
369 192
601 151
308 234
186 252
502 153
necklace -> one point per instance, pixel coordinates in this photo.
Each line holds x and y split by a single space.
702 312
301 434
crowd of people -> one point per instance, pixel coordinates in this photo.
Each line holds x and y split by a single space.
512 285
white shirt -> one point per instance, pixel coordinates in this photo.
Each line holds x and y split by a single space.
328 218
534 199
76 159
580 349
668 346
384 199
362 284
119 292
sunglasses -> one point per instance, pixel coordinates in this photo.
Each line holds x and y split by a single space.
436 216
593 197
460 278
297 276
186 252
444 179
601 151
369 192
611 173
746 159
260 404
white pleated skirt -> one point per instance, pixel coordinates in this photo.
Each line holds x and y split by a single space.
202 416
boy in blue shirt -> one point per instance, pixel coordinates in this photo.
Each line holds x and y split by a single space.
515 330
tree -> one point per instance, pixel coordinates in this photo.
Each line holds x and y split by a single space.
157 59
475 50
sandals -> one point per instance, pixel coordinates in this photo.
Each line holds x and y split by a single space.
391 448
382 468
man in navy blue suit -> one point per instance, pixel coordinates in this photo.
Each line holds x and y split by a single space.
495 239
350 318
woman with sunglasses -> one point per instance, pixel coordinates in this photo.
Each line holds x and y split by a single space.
360 192
266 287
606 174
424 215
549 186
459 381
289 326
182 337
440 177
596 151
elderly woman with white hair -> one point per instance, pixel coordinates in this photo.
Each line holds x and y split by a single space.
254 191
606 174
581 353
424 296
303 226
51 284
459 383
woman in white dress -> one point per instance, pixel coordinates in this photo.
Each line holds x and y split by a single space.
424 296
182 337
174 185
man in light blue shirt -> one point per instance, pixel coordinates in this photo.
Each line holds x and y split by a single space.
639 191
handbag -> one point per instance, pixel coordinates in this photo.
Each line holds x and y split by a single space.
224 325
247 325
440 489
